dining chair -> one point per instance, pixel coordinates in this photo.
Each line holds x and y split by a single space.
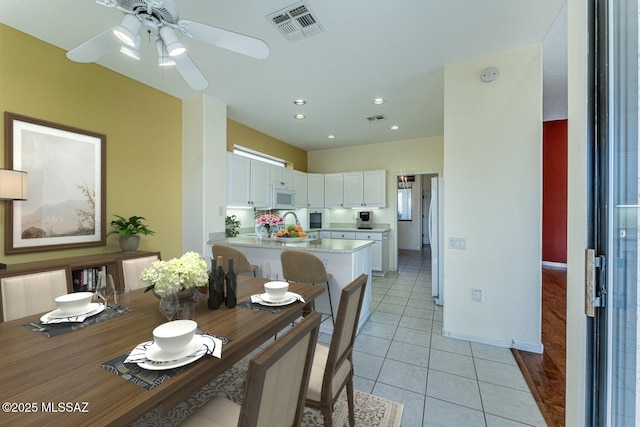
240 262
304 267
32 293
131 269
275 385
332 367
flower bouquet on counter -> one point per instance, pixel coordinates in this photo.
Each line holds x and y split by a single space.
270 222
176 275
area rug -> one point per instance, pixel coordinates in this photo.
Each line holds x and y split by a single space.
370 410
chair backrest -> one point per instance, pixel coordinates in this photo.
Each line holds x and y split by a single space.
240 262
277 379
131 269
32 293
344 331
302 267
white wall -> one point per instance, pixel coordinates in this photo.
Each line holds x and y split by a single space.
204 142
405 157
493 199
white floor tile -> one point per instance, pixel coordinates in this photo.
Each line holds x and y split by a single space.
438 413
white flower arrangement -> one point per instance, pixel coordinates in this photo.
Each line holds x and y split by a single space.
177 274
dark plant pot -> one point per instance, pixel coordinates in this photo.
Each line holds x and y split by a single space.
129 243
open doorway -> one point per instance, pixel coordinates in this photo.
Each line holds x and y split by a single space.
419 221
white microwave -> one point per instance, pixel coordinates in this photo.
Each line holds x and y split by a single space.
282 198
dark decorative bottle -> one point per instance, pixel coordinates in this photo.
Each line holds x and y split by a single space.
232 285
213 301
220 276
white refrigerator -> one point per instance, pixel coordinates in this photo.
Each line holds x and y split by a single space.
436 239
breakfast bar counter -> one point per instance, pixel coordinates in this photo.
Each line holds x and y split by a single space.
344 259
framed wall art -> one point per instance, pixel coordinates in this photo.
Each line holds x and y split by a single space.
65 206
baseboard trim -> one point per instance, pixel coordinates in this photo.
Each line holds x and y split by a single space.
554 264
518 345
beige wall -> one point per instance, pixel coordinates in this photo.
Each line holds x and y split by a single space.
493 199
143 128
239 134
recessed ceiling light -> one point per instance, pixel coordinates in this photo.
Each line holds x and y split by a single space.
378 101
395 127
299 102
331 137
299 116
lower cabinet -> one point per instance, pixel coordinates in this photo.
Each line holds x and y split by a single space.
379 249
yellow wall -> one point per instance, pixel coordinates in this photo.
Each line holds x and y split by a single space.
239 134
143 128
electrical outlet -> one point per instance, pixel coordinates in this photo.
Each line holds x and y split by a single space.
476 295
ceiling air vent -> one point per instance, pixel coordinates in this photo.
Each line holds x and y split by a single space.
295 22
376 118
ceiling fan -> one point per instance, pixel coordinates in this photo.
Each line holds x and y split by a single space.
159 19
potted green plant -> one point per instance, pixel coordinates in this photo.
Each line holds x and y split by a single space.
231 226
129 229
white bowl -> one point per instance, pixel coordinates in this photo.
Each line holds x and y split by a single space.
74 303
276 290
174 336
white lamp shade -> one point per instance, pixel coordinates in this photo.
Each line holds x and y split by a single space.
173 45
128 29
13 185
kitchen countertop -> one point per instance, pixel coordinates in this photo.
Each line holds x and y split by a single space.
317 245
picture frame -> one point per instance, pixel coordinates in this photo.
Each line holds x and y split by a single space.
66 195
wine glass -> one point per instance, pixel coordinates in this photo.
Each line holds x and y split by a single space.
265 269
169 305
104 288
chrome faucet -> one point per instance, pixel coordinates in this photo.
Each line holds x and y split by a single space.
290 213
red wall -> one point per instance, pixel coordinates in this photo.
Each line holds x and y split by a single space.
554 191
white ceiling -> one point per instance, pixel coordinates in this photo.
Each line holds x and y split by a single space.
369 48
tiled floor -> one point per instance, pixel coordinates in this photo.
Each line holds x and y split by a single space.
401 355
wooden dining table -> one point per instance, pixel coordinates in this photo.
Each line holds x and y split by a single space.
60 381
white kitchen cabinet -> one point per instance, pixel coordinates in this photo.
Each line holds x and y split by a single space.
374 188
300 187
334 190
280 177
379 250
365 189
353 185
247 182
315 190
325 234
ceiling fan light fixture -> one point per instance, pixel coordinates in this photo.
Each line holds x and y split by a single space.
128 30
170 39
164 60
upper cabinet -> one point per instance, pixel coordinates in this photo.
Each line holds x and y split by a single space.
248 186
300 187
374 188
334 190
363 189
281 177
315 190
247 182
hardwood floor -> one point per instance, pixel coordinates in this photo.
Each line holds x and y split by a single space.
545 373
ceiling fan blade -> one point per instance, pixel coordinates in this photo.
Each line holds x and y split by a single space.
226 39
95 48
190 72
